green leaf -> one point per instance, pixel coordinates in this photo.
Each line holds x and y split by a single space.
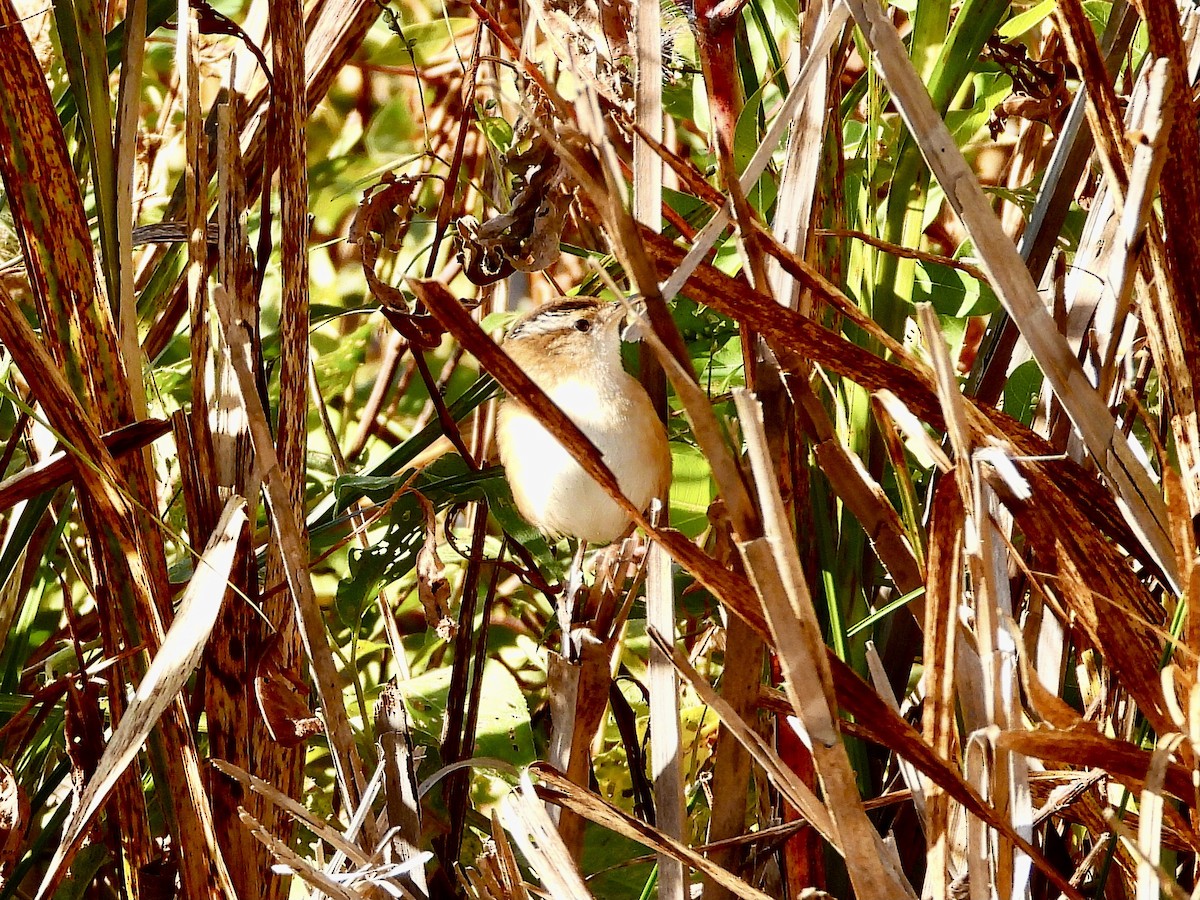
1022 391
388 559
692 489
420 43
952 291
328 509
503 730
1023 22
497 131
84 53
391 131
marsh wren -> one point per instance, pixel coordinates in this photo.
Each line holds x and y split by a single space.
571 350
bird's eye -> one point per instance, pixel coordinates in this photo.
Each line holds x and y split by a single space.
583 325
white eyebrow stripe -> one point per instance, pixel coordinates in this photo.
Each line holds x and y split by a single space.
550 320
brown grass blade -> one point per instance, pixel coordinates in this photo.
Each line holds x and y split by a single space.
175 661
557 789
1140 499
801 651
57 469
293 554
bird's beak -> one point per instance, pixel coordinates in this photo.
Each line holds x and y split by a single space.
631 326
613 314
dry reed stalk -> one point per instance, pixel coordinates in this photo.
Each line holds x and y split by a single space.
740 683
132 57
942 601
1135 492
987 565
666 743
400 783
81 335
288 110
229 688
310 622
779 578
173 664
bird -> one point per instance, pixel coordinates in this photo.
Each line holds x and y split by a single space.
571 349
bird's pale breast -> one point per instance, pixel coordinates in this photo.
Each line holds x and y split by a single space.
553 491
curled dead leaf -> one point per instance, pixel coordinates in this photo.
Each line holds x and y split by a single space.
527 237
381 223
433 587
283 698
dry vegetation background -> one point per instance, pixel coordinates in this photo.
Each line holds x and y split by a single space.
922 288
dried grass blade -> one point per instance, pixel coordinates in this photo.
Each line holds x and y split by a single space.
1085 749
560 790
779 577
527 821
1139 498
294 862
293 808
177 657
797 793
648 112
293 554
57 469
